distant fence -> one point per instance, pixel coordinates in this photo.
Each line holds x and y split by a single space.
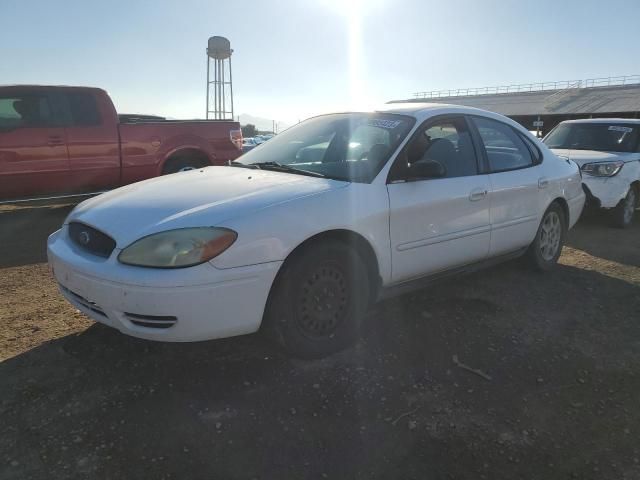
532 87
612 81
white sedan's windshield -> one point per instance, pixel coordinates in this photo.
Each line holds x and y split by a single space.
347 146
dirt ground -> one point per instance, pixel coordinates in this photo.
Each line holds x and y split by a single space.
561 397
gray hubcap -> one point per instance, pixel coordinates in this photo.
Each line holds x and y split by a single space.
629 206
323 301
550 235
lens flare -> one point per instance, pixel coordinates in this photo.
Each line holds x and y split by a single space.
357 94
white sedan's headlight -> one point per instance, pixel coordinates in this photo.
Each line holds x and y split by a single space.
602 169
184 247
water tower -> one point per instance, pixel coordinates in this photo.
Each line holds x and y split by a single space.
220 102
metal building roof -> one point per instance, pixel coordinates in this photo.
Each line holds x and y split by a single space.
567 101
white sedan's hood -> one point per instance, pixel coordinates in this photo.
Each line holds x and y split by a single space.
590 156
192 199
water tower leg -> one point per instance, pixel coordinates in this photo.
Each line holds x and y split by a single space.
224 100
231 87
208 63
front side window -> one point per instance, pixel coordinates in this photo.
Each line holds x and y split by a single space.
449 143
604 137
347 146
505 148
28 110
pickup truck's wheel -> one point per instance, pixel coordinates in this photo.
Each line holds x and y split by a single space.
545 250
622 215
182 164
318 300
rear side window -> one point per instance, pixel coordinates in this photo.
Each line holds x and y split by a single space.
84 110
505 149
23 111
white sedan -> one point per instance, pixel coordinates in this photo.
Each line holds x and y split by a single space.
608 152
298 237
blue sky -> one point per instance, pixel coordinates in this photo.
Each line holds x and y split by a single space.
293 59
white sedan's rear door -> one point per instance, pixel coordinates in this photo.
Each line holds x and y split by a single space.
516 180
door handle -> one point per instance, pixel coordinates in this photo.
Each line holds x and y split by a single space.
478 194
543 182
55 140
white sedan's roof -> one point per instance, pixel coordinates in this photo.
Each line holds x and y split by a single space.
422 111
416 109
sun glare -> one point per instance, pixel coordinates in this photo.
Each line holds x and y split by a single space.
352 13
357 95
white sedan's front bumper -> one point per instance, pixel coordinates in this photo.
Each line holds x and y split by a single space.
173 305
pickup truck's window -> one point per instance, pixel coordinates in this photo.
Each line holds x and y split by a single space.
448 143
30 110
347 146
505 149
84 110
605 137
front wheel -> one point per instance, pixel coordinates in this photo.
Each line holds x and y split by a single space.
545 250
622 215
318 300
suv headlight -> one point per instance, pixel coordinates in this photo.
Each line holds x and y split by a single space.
602 169
180 248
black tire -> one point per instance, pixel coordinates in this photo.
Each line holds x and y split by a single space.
545 250
180 164
318 300
622 215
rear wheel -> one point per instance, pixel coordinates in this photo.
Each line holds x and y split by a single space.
318 301
545 250
622 215
182 164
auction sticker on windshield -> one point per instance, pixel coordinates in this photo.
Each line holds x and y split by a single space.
615 128
380 123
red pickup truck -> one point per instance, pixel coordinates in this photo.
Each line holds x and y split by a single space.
69 140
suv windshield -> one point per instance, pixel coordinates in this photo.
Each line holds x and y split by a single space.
346 146
605 137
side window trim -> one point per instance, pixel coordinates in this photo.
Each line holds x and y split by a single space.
395 174
476 148
481 153
484 149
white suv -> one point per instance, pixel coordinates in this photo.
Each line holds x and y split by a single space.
608 153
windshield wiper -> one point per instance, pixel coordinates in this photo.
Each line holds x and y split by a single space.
234 163
281 167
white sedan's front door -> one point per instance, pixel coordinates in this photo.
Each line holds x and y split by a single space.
439 223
